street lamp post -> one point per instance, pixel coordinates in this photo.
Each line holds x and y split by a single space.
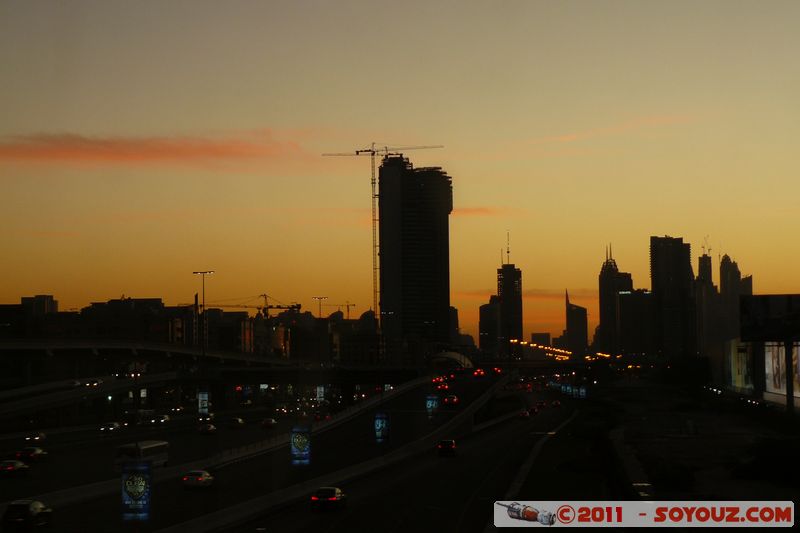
203 274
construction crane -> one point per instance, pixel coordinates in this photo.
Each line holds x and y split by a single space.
371 152
348 305
262 309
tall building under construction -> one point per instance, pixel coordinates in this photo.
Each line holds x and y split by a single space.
414 207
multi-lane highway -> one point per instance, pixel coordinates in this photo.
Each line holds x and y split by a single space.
427 492
77 459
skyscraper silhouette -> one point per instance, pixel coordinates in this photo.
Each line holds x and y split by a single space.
509 293
611 281
672 283
489 326
577 332
414 206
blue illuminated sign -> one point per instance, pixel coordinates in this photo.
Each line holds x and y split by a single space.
300 444
431 403
381 427
136 484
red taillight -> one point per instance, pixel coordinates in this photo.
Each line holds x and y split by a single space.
199 479
332 498
186 479
9 468
438 445
315 498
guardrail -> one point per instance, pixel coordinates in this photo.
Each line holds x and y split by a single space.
248 510
97 489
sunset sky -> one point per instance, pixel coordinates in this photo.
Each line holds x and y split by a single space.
141 141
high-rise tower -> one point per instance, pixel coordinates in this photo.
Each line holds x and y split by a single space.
611 281
509 293
414 206
672 284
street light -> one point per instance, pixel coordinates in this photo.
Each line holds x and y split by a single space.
203 274
319 299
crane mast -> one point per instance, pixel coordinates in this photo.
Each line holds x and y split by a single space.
372 151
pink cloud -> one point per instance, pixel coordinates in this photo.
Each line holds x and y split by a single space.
72 148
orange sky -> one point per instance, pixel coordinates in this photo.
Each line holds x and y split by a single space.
142 142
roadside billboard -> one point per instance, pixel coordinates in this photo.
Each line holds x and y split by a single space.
775 368
136 484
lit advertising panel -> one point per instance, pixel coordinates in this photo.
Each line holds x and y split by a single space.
202 402
381 427
136 483
431 404
300 443
739 365
775 369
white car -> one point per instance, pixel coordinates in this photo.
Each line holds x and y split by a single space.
197 478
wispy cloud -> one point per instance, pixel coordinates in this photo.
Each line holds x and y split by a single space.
72 148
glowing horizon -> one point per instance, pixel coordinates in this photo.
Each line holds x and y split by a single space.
139 145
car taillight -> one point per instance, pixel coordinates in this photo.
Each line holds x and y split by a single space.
438 445
9 468
315 498
186 478
332 498
199 479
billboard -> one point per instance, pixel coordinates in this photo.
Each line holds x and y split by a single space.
136 484
300 444
431 404
775 368
739 365
202 402
381 427
774 317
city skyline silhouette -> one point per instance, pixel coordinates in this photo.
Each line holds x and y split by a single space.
130 162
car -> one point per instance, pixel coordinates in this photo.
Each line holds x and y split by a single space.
328 498
269 423
197 478
497 370
205 417
523 414
442 386
25 515
533 410
451 400
13 467
321 417
207 429
93 382
111 427
36 436
177 409
556 403
479 373
31 454
235 422
541 404
157 420
446 447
